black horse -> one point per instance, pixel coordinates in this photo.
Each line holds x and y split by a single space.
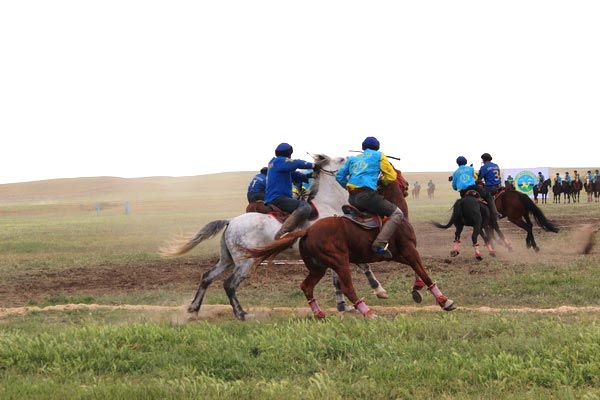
556 191
541 189
567 190
470 211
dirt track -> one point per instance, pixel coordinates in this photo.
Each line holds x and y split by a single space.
181 276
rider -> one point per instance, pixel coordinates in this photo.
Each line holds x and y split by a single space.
359 175
280 178
557 179
257 186
576 176
568 178
463 180
541 178
589 176
490 174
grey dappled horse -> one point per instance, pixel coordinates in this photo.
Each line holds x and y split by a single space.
251 230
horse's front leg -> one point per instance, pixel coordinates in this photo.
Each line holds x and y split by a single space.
345 277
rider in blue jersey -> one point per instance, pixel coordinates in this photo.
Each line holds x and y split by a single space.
281 176
359 175
489 173
464 179
257 186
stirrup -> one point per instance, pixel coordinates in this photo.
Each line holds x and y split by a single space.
383 251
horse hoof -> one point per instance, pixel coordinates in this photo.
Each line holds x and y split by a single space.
536 249
479 258
454 253
343 307
319 314
449 305
381 293
416 296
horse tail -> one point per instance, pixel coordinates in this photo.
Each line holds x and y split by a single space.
455 217
181 245
539 216
272 249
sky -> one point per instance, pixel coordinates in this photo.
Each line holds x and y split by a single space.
183 88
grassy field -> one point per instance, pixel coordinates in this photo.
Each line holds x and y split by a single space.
527 325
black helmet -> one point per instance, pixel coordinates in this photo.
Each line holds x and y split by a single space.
461 160
284 150
264 170
370 143
486 157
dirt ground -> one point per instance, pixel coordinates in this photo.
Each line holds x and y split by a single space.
183 275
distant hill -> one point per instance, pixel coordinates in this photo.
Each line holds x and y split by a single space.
227 184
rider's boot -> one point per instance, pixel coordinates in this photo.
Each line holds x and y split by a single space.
294 220
380 245
492 206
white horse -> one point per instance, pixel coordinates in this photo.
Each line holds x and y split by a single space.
251 230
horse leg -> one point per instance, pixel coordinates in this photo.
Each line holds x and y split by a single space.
417 286
315 274
379 291
474 236
231 284
456 247
412 257
207 278
339 295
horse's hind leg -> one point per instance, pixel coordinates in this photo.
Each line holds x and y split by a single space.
339 295
231 284
379 291
315 274
207 278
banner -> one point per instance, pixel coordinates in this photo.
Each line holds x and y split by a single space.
525 178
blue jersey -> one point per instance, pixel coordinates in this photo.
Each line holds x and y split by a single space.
363 170
490 173
463 177
282 175
258 184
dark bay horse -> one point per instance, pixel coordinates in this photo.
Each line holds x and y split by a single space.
576 187
517 207
470 211
567 191
335 242
556 191
541 190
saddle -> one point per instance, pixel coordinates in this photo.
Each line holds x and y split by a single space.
277 213
475 193
362 218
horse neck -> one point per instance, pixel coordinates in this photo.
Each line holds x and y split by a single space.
330 197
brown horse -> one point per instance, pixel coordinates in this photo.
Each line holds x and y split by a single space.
517 207
335 242
576 187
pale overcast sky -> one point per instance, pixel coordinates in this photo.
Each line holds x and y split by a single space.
177 88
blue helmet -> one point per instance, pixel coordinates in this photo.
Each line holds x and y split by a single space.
370 143
461 160
284 149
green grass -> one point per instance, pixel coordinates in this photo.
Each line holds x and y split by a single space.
116 354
